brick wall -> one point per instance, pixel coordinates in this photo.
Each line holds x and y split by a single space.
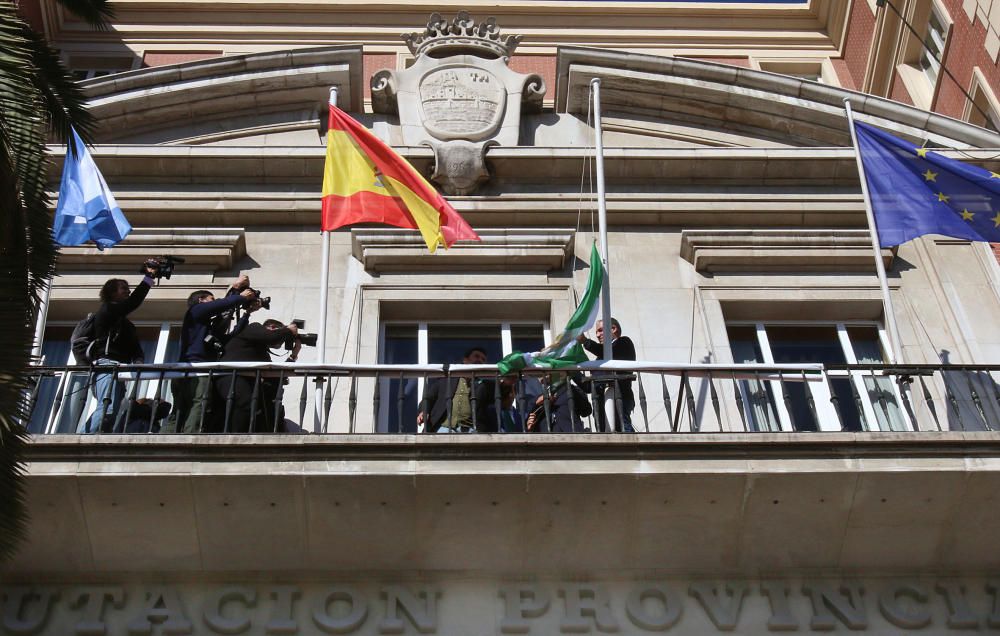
162 58
544 65
966 49
372 63
899 91
844 74
857 45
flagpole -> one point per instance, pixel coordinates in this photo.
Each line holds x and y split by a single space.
324 295
610 415
895 354
602 218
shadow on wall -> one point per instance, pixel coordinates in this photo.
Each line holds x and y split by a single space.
971 398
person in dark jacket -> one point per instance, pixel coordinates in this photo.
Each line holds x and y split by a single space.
203 334
490 419
235 393
622 348
568 403
116 342
446 406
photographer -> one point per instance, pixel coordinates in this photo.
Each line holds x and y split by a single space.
113 340
235 393
203 335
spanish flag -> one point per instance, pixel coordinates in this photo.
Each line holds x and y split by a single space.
365 181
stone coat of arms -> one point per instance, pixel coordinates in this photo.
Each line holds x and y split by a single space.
460 97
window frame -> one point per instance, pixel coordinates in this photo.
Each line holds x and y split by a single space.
148 391
825 410
921 87
506 345
984 97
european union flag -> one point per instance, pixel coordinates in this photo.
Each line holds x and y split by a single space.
915 191
87 211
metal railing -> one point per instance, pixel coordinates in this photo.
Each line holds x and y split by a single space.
593 397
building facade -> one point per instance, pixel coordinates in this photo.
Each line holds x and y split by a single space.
836 493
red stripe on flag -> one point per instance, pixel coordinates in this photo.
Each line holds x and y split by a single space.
365 207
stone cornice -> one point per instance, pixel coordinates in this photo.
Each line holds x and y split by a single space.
258 165
731 97
685 26
521 249
202 248
780 250
46 454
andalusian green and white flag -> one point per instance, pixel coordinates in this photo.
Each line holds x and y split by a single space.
565 351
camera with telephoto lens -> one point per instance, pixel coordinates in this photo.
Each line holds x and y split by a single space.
162 266
214 345
308 339
265 301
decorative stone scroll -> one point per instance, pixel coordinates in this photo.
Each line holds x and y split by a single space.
459 97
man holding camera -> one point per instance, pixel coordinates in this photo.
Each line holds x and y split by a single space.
115 341
203 335
236 391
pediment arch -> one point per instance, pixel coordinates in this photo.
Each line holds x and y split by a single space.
713 104
206 101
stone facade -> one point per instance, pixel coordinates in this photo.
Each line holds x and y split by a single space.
733 204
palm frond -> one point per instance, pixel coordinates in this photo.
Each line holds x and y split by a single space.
64 102
96 13
37 96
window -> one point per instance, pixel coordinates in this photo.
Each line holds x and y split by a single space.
932 52
160 343
89 67
984 110
852 400
438 343
919 63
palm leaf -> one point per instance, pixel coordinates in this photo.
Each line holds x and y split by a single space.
96 13
37 97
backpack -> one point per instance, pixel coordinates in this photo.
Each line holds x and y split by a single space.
83 338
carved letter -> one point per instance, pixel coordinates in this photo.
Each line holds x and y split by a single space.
218 598
586 600
399 598
521 602
827 603
282 621
724 617
93 600
16 619
781 619
888 604
662 620
960 615
993 620
340 624
162 606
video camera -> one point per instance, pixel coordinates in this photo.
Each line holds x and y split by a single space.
308 339
163 266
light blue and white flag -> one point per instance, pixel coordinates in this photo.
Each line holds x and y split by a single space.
87 211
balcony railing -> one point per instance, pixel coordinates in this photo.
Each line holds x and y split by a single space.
352 399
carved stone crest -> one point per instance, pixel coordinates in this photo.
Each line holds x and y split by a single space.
459 97
461 102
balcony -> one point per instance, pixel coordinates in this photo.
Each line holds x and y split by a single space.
743 469
669 399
